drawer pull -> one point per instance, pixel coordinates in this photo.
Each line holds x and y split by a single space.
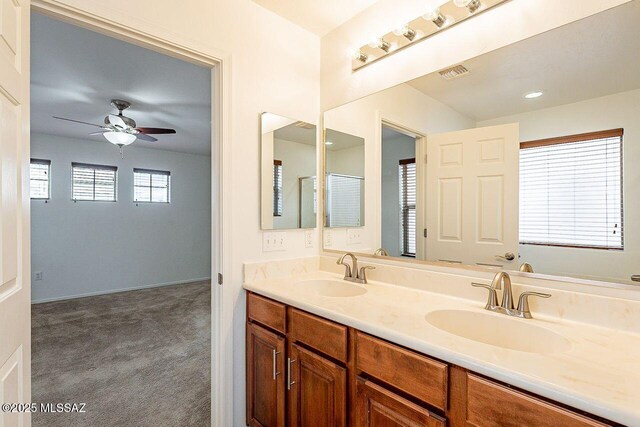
275 354
289 382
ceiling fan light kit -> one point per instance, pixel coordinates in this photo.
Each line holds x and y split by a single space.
121 130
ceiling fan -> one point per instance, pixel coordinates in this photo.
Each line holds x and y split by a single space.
122 130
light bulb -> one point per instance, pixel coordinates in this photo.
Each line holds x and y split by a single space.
119 138
406 31
358 55
434 15
328 143
472 5
380 43
533 95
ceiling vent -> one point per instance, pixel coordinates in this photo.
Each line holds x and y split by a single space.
303 125
454 72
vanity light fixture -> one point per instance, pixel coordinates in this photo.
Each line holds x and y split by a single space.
380 43
533 95
472 5
406 31
438 16
434 15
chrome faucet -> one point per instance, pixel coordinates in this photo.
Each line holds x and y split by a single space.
506 306
352 274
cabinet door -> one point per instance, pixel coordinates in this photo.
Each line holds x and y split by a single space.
317 390
378 407
265 378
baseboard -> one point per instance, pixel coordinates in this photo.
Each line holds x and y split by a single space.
115 291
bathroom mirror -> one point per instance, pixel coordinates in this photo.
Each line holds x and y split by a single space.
288 161
524 158
344 179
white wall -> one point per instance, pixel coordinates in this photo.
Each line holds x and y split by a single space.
273 65
510 22
400 105
85 248
393 150
614 111
298 160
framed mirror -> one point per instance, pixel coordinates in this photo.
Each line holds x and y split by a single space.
288 163
523 158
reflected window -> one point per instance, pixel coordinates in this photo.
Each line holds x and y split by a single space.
151 186
93 182
571 191
40 179
277 188
407 191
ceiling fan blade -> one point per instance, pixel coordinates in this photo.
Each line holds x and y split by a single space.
156 130
117 121
146 137
77 121
99 132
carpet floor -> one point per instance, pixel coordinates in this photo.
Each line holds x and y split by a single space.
137 358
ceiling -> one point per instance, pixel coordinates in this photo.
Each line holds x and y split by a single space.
297 134
336 140
317 16
593 57
76 72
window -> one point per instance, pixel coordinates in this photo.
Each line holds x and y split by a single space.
93 182
345 202
151 186
277 188
407 181
40 181
571 191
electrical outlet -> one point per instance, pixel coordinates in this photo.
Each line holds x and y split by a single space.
354 236
328 238
37 275
274 241
308 238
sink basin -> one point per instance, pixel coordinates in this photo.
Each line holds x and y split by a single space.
499 330
333 288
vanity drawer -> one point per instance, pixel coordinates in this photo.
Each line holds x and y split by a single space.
490 404
413 373
323 335
268 312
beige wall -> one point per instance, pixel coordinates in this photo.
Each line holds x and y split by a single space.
513 21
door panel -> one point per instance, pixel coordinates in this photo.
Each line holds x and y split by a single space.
265 381
15 295
318 390
472 195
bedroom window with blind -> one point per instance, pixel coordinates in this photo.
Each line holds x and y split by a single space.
277 188
93 182
151 186
40 179
344 200
571 191
407 181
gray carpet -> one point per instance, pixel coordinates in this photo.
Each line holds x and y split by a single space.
138 358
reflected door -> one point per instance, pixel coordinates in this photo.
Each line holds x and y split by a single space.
472 196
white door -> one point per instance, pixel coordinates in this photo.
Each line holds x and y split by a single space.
15 280
472 196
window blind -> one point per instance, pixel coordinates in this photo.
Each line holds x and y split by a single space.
571 191
151 186
39 179
344 200
93 182
277 188
407 181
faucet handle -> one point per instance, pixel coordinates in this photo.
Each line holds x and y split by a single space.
523 302
363 273
492 301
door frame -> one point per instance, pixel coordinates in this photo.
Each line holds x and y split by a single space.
222 303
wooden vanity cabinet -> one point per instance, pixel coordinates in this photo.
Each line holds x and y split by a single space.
304 370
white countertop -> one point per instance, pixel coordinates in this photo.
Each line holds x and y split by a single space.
599 373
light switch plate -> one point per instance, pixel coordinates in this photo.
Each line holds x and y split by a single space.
274 241
328 238
354 236
308 238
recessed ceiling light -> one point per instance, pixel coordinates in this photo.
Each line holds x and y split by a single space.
328 143
532 95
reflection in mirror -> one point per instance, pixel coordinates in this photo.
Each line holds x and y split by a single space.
344 185
525 160
289 189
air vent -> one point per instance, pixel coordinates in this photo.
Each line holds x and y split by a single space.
454 72
303 125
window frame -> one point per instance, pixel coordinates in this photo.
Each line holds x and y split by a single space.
585 137
95 167
405 209
41 162
152 172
